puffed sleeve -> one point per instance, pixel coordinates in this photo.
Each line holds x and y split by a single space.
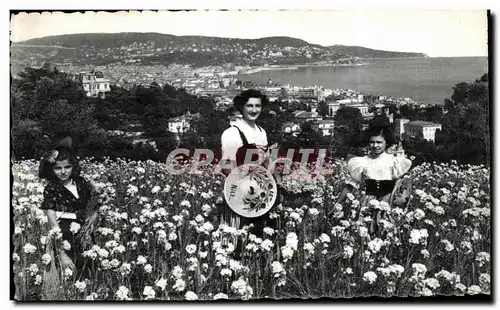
401 166
229 143
50 198
356 166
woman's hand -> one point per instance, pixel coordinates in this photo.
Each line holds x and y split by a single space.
66 262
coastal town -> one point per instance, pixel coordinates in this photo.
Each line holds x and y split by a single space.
222 84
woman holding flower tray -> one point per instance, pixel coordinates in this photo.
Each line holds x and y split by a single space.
236 141
379 175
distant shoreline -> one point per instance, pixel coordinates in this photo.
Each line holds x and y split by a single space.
295 67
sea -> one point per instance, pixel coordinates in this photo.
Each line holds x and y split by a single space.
425 80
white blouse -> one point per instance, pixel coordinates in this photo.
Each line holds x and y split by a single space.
231 140
384 167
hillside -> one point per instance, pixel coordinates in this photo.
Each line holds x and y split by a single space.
363 52
198 51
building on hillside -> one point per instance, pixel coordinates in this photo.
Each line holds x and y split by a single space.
333 107
181 124
325 127
291 128
94 83
422 129
399 126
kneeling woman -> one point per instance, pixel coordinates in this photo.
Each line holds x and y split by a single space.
379 173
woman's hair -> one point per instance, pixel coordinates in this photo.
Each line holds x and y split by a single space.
60 153
240 100
380 130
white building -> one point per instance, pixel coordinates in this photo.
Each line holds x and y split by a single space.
422 129
94 83
325 127
181 124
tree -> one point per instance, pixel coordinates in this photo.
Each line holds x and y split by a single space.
348 125
323 109
466 126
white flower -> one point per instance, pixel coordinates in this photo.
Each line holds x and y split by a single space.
148 268
462 288
105 264
220 296
172 236
186 204
155 189
92 296
291 240
309 247
137 230
114 263
161 283
122 293
66 245
432 283
418 214
425 253
324 238
191 249
419 268
68 273
125 269
15 257
191 296
179 285
80 286
363 231
18 230
46 259
141 260
313 212
287 253
348 251
74 227
149 292
474 289
375 245
119 249
268 231
267 245
38 279
103 253
277 269
226 272
29 248
33 269
177 272
370 277
447 245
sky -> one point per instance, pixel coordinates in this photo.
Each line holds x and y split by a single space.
438 33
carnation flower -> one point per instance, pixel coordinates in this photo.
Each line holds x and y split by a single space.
149 292
74 227
46 259
179 285
81 286
161 283
370 277
191 296
220 296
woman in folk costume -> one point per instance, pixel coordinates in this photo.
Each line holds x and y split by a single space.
69 201
380 172
244 135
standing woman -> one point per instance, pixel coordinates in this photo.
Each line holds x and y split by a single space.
67 201
245 134
379 173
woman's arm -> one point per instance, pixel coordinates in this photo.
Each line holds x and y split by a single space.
66 262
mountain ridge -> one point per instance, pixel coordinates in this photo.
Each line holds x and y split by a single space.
110 40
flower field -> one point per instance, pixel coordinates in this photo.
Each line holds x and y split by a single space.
159 238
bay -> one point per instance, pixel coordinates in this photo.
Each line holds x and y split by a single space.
425 80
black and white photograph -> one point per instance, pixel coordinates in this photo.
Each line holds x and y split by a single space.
245 155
